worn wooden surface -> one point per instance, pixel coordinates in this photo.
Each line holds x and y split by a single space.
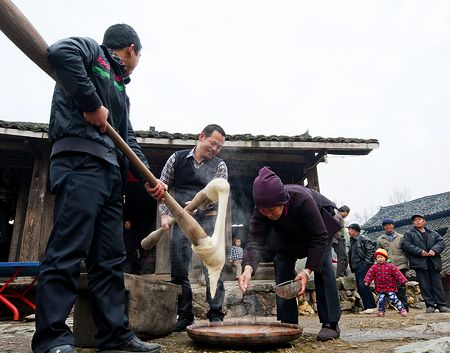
19 219
37 217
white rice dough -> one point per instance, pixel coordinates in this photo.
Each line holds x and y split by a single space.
211 250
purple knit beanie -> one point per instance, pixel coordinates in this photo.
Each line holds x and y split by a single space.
268 190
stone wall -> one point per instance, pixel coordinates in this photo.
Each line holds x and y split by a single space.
260 301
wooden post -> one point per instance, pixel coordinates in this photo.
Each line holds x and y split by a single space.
38 218
19 219
313 178
162 265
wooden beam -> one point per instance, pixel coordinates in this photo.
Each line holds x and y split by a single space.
278 156
37 217
313 179
19 219
22 146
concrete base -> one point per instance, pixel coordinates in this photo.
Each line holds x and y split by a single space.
151 309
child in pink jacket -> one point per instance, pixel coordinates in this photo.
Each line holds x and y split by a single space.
386 276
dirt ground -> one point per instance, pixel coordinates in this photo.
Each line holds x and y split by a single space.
360 333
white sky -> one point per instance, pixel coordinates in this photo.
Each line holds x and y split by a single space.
364 69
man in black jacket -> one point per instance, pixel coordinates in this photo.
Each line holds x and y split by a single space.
87 173
360 255
423 248
302 225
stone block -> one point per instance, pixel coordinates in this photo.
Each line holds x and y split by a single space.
346 305
347 282
151 309
152 306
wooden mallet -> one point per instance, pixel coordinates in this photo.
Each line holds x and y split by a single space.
23 34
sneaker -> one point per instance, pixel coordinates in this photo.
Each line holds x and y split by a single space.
403 313
368 311
215 319
443 309
430 309
181 324
326 333
381 313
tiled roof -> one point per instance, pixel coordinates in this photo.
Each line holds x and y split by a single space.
305 137
25 126
431 207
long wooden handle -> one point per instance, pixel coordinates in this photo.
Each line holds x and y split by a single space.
152 239
23 34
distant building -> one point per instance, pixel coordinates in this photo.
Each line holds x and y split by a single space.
435 209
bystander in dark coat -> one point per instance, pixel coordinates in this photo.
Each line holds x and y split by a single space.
423 248
360 256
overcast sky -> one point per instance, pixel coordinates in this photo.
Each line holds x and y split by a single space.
361 69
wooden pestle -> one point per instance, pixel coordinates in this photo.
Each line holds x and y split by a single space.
25 36
152 239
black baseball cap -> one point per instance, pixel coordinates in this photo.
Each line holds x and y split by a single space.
355 226
417 215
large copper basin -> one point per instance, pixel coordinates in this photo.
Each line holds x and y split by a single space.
244 333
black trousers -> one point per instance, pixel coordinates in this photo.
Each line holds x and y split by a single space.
180 257
342 259
431 288
364 292
328 304
402 291
87 225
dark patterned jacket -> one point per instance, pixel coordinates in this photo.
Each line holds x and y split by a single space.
90 78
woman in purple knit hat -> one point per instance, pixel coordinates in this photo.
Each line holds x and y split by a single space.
302 225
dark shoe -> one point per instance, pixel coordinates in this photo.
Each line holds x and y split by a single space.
326 333
430 309
181 324
66 348
215 319
134 345
443 309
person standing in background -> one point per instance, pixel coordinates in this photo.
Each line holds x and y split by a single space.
131 242
339 246
387 277
236 253
360 256
391 241
423 248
